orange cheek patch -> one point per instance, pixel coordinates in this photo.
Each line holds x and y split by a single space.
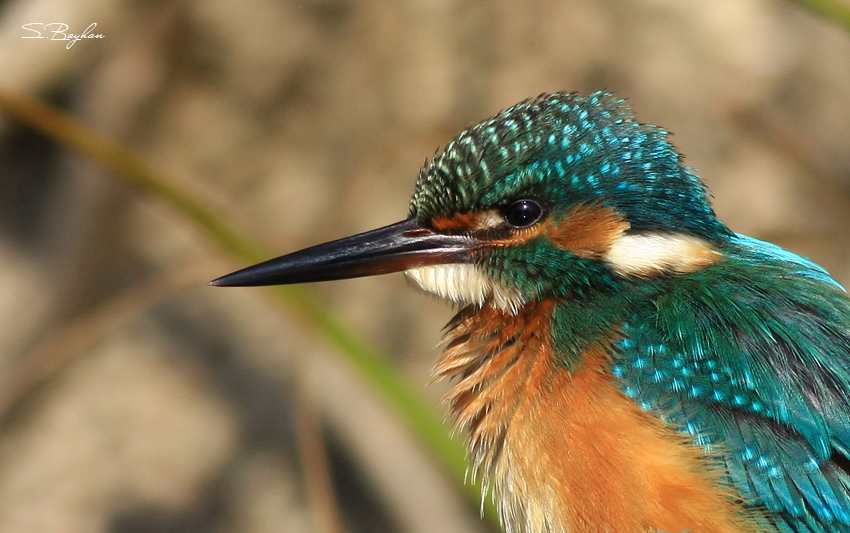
589 231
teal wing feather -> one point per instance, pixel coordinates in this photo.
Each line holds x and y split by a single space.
751 357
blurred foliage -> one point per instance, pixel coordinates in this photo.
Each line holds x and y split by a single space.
836 10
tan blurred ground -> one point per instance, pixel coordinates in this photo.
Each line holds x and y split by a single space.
305 121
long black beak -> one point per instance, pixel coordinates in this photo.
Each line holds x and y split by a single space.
393 248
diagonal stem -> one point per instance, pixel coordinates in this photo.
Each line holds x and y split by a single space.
417 414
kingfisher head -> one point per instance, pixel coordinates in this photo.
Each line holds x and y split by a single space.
558 196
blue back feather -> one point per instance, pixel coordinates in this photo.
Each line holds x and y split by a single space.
751 357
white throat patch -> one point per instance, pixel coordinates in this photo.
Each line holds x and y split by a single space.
465 284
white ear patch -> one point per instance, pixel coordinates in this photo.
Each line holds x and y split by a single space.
465 284
654 253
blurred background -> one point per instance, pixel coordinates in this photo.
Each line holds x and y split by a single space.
134 398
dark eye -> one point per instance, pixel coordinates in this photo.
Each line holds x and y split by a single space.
523 213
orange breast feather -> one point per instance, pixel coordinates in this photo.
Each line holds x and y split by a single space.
567 451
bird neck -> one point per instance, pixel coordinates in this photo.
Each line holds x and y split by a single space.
563 449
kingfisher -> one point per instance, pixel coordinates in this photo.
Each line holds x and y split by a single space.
622 362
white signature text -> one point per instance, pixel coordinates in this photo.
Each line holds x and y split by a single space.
57 31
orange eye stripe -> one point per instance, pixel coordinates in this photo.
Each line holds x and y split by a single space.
588 231
464 221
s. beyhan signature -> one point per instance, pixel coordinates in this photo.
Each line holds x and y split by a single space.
56 32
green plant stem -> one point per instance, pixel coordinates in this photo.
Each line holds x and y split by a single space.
837 10
418 415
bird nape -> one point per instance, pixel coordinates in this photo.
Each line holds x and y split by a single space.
623 361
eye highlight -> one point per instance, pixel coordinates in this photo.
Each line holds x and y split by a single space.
523 213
